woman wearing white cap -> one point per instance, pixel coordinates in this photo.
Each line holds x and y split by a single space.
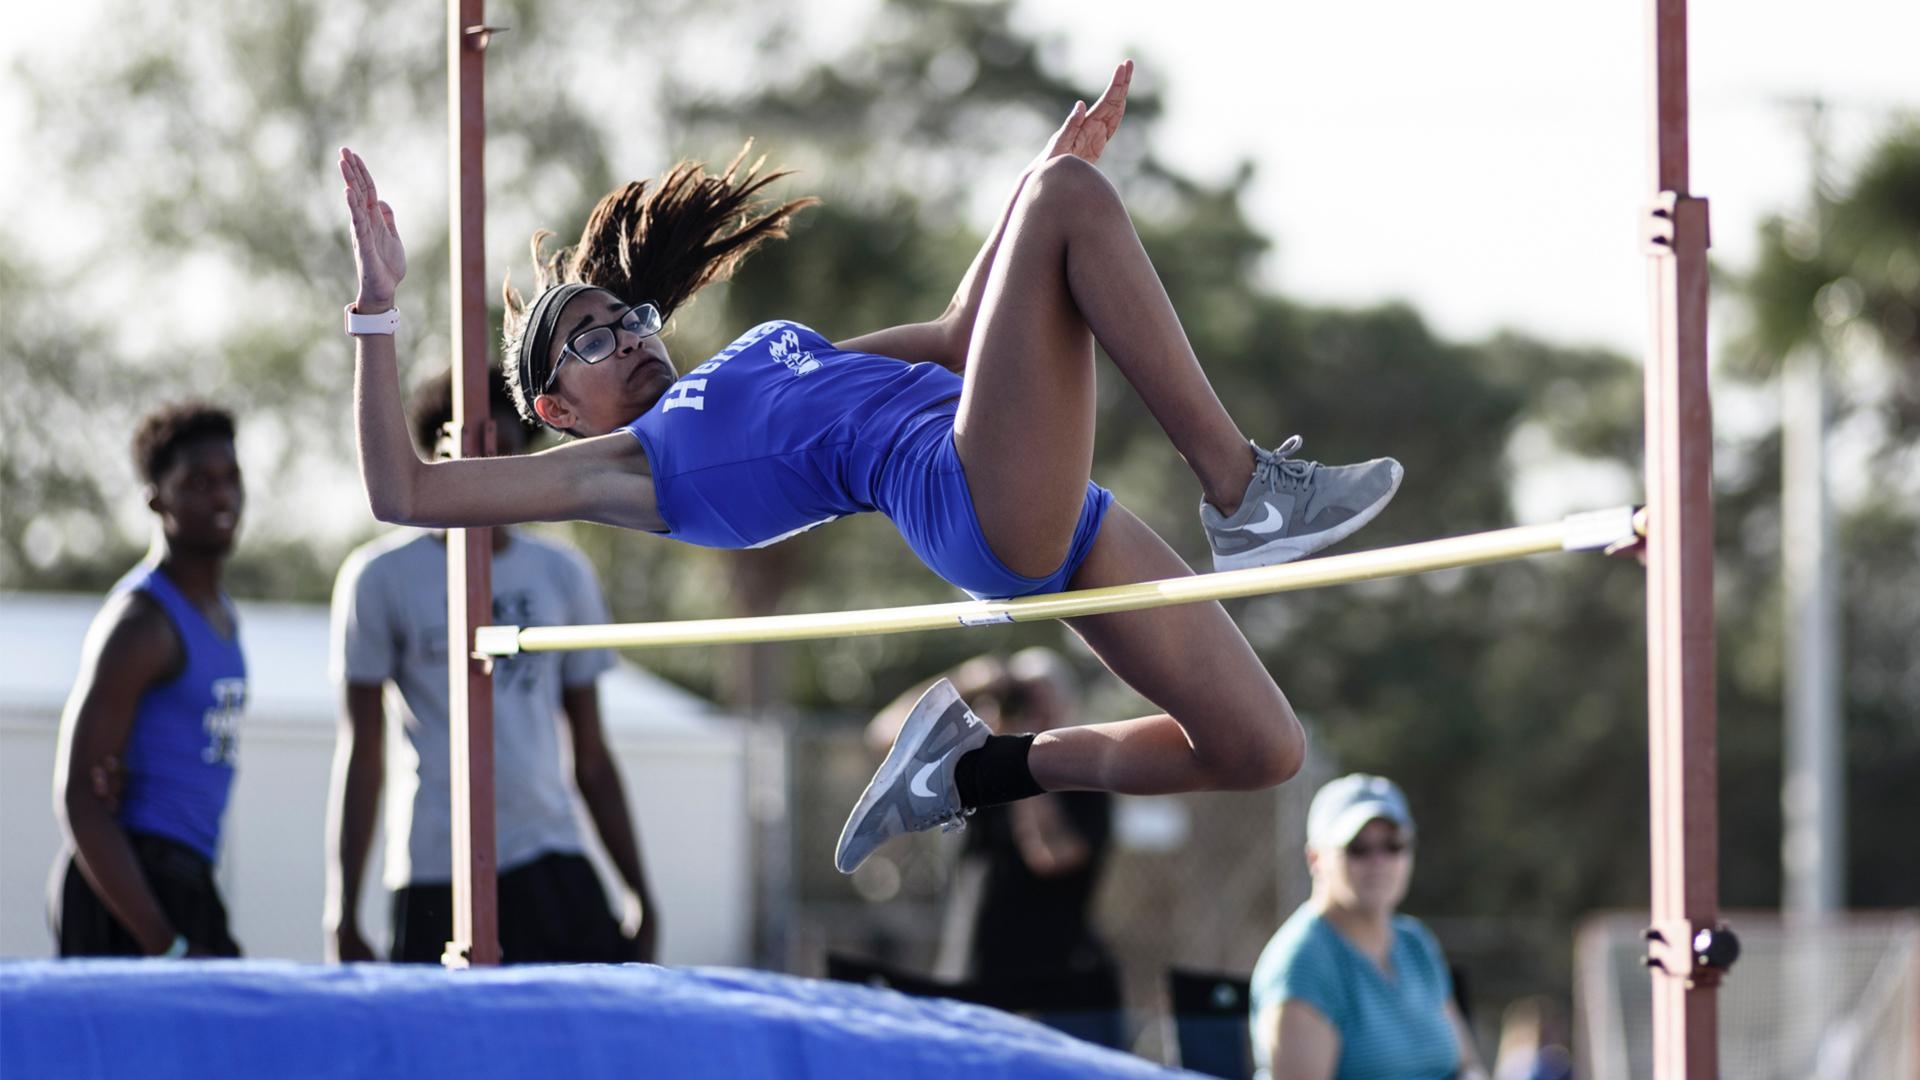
1348 987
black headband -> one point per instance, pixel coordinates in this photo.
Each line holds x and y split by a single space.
537 343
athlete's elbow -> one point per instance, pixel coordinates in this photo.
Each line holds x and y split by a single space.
67 801
389 506
395 501
394 483
393 494
82 800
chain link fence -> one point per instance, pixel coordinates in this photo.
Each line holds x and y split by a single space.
1828 999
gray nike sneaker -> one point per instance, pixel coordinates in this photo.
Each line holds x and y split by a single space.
1295 508
914 789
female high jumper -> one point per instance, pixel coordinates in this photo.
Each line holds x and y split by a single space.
973 432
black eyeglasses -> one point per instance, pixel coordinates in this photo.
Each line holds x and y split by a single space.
596 343
1368 851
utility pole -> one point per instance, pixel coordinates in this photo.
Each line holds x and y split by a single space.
1813 837
1812 790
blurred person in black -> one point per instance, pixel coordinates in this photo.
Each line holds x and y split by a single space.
1022 893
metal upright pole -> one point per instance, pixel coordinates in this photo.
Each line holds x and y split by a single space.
1812 796
1688 949
476 926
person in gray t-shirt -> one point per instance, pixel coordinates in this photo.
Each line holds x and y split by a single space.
390 630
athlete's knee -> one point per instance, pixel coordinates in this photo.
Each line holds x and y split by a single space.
1270 752
1287 754
1074 185
1269 765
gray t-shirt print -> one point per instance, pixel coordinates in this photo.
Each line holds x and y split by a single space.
390 626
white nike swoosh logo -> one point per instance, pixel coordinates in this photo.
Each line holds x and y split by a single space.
919 786
791 533
1272 523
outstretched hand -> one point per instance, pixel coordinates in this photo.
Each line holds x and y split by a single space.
1086 131
377 251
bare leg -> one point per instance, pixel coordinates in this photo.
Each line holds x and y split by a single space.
1070 270
1226 725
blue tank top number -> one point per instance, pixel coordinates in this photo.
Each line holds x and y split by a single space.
222 722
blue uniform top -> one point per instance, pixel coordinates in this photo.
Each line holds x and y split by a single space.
179 756
780 432
1392 1026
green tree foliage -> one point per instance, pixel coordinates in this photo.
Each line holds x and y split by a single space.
1843 276
1856 245
49 496
210 259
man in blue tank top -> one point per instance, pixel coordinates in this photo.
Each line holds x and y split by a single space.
149 736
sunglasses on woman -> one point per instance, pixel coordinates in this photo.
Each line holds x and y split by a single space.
596 343
1368 851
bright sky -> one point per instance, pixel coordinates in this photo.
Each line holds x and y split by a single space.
1487 159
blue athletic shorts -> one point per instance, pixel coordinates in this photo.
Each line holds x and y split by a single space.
926 495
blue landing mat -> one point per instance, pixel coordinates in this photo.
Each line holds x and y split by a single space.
161 1019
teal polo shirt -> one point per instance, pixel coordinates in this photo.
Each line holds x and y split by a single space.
1392 1027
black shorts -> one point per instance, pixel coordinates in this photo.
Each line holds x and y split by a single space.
182 881
552 911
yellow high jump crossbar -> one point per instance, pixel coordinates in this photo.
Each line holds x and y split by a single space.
1579 532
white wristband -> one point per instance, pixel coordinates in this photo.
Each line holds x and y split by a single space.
386 322
174 951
